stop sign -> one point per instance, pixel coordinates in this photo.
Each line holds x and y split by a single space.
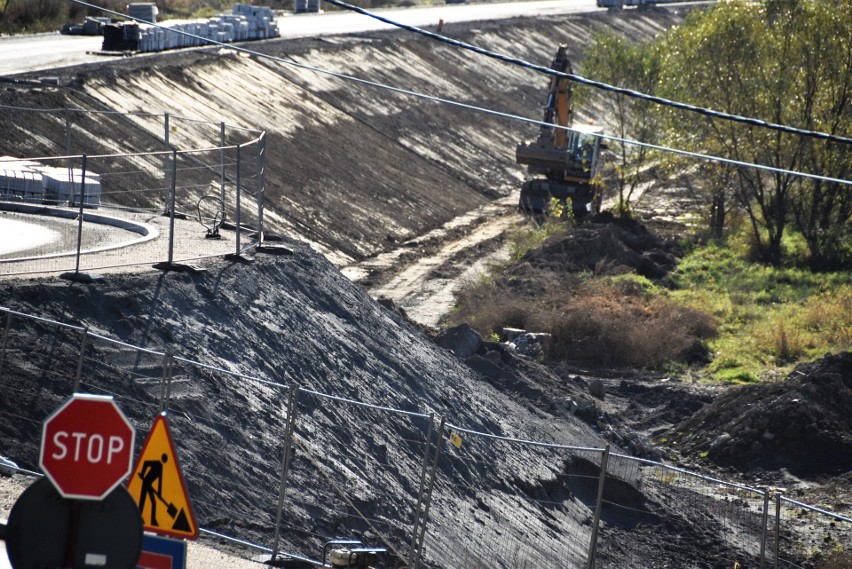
87 447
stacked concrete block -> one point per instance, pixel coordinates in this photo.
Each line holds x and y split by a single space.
145 11
65 186
246 23
32 182
20 181
300 6
261 20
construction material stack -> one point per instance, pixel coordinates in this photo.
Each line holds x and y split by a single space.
144 11
32 182
245 23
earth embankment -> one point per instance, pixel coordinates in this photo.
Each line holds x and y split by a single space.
352 168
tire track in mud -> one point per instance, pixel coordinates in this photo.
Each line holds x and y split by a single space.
422 275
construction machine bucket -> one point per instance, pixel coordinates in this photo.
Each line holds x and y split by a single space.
533 154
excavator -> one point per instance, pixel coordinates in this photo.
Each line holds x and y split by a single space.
564 161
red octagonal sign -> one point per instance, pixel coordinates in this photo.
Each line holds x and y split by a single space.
87 447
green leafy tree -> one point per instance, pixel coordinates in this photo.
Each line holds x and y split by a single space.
822 210
784 61
613 59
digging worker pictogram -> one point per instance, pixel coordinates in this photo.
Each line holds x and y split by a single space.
157 478
152 473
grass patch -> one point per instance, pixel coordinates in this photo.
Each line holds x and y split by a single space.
770 318
732 319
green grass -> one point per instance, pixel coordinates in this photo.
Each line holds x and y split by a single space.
768 318
756 321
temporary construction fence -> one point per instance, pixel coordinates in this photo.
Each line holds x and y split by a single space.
201 196
422 491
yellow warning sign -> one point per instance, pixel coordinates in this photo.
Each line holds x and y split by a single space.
158 488
455 439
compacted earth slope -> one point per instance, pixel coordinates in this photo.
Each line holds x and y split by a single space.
295 320
354 169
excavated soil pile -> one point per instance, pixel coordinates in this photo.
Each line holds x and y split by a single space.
801 424
607 246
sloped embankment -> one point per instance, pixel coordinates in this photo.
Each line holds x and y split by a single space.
354 169
289 320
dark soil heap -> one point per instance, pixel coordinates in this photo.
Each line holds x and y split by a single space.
607 245
801 424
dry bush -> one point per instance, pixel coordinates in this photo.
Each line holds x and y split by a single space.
612 331
488 308
591 324
837 560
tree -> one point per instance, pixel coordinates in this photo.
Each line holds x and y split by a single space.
822 210
613 59
783 61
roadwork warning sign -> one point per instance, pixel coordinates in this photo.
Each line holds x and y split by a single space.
158 488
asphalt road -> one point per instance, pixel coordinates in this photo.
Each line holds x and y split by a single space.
44 52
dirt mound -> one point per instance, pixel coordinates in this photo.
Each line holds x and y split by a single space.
607 245
801 424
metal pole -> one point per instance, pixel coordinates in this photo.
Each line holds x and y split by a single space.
5 341
80 360
239 208
261 157
438 442
777 525
593 545
167 147
222 166
172 208
165 385
422 492
285 464
764 530
67 132
80 215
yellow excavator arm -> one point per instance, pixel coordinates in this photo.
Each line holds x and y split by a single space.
566 158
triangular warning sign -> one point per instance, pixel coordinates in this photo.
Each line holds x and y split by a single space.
158 488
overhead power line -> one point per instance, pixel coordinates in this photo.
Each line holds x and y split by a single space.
467 106
598 84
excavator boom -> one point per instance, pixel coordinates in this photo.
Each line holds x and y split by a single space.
563 156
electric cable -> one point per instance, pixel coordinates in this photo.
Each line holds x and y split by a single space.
596 84
462 105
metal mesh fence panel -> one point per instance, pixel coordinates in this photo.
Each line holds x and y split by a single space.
368 489
132 376
203 418
548 490
375 485
113 230
119 214
43 357
703 519
801 535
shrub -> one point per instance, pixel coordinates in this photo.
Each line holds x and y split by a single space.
33 15
591 323
608 330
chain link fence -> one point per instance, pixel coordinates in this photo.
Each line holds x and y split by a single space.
423 492
200 195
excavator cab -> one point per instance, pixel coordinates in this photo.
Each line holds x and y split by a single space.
564 157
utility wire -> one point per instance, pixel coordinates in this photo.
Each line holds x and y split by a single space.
467 106
597 84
